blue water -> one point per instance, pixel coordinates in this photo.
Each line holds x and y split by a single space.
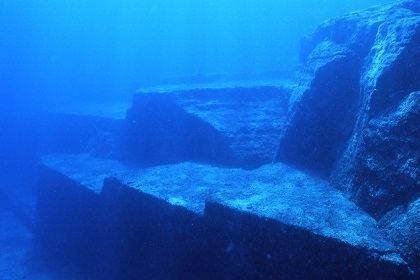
104 50
54 53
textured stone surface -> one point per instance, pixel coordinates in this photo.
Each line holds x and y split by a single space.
387 131
74 133
163 211
354 117
85 128
388 166
403 226
229 124
233 124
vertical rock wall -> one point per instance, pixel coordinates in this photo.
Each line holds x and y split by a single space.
355 117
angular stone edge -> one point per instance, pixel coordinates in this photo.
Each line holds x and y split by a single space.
165 240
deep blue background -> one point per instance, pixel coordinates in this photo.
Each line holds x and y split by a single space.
55 52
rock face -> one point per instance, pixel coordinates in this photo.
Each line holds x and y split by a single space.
228 124
120 222
190 169
159 131
355 116
403 226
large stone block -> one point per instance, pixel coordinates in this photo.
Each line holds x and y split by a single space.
196 221
354 117
351 119
142 234
253 247
403 226
234 125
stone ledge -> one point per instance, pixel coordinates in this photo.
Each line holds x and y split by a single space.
169 215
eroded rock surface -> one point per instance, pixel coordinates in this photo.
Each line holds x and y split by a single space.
228 124
355 116
168 215
403 226
351 119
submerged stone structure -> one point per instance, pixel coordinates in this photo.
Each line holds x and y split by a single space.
235 124
197 221
314 178
354 118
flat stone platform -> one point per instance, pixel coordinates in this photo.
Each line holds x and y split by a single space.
269 222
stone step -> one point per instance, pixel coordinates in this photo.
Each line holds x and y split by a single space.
192 221
246 118
234 124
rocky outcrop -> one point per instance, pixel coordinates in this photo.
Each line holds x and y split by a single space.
154 197
386 170
386 134
197 221
159 131
230 124
402 225
354 117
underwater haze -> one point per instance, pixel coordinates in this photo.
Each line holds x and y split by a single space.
209 139
96 51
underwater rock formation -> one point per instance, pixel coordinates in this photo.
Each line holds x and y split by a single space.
159 131
229 124
152 196
121 221
354 117
403 226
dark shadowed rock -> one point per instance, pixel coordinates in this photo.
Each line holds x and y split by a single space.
70 233
159 131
